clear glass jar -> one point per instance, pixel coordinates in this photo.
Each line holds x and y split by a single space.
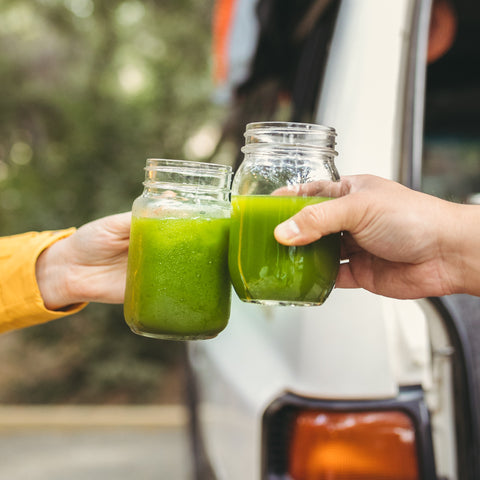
178 284
286 167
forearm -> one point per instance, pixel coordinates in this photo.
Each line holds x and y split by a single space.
467 260
21 302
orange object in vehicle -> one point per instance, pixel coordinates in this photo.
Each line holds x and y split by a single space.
353 446
222 24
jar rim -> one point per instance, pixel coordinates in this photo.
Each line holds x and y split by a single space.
291 127
161 173
167 163
285 148
290 135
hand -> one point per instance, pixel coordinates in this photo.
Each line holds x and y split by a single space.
397 242
89 265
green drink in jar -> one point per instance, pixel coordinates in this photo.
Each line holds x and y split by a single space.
177 276
264 271
287 166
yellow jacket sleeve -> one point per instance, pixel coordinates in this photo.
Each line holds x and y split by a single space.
21 304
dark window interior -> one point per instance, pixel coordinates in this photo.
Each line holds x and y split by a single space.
451 158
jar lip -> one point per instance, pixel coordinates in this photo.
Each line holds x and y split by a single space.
291 127
152 185
286 148
158 164
290 135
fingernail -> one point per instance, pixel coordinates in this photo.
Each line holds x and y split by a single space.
287 230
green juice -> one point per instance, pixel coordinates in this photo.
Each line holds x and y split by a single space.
177 277
264 271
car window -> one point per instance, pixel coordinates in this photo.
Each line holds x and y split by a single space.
451 150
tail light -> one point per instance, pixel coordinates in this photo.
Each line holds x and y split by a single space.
309 439
353 446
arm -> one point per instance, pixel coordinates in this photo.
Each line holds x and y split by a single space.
398 242
47 275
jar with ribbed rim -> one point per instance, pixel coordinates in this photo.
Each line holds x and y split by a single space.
178 284
286 167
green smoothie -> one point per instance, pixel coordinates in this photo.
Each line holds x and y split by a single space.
264 271
177 278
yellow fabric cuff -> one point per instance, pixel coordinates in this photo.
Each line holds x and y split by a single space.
21 304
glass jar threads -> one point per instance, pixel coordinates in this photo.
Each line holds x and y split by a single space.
177 276
286 167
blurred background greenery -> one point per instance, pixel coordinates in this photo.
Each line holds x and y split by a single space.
89 90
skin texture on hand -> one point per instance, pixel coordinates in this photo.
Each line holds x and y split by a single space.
396 242
88 266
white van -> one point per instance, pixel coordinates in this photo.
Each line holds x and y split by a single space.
363 387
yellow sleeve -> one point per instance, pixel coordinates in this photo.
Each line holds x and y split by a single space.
21 304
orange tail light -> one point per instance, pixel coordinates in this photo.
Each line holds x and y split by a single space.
353 446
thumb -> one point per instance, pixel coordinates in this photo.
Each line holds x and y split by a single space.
315 221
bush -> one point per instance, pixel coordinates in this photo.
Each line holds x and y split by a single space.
89 91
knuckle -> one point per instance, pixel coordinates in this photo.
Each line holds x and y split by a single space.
313 215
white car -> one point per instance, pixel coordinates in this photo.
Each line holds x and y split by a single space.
362 387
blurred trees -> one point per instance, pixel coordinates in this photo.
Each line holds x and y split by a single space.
89 90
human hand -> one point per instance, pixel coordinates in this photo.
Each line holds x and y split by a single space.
397 242
89 265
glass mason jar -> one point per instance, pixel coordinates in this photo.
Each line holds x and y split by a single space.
286 167
178 284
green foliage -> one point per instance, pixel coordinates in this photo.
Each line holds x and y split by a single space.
91 357
86 99
90 89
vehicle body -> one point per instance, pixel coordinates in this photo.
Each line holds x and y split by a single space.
359 352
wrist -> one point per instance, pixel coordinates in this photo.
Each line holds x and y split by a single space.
52 274
459 240
468 235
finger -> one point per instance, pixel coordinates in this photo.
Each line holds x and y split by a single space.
345 279
116 225
318 220
120 222
320 188
348 246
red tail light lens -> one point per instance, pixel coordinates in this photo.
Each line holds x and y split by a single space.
353 446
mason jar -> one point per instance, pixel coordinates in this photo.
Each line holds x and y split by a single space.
178 284
286 167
